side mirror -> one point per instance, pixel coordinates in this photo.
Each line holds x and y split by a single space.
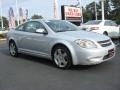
41 31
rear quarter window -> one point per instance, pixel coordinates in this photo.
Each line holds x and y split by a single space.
93 22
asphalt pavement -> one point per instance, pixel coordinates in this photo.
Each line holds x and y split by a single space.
31 73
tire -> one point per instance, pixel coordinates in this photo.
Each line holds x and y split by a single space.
62 57
105 33
13 49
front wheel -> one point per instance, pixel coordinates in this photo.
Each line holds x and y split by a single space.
62 57
13 49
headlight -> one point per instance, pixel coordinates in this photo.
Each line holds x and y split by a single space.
86 43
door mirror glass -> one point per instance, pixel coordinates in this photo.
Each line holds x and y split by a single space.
41 31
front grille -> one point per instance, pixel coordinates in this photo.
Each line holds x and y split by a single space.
110 54
105 43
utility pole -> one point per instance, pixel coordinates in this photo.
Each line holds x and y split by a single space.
103 12
95 10
17 12
56 9
81 10
1 15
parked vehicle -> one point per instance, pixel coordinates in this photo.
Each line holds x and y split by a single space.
3 32
61 42
106 27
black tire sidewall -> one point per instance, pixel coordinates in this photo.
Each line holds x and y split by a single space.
16 50
69 64
105 33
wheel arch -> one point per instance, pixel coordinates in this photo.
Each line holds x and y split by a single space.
11 40
105 33
67 45
58 44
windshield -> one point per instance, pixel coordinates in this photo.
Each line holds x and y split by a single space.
61 25
95 22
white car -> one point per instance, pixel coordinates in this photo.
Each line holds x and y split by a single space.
107 27
3 32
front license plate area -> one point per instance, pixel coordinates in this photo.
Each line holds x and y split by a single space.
111 52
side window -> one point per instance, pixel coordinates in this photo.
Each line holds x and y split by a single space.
32 26
107 23
113 23
20 28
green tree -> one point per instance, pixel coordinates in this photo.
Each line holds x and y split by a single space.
115 13
107 8
5 22
35 16
116 4
89 12
87 15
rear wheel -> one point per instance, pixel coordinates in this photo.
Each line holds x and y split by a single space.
105 33
62 57
13 49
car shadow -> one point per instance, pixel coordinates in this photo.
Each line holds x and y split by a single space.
37 59
5 52
90 67
50 63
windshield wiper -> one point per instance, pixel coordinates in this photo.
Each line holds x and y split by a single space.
65 30
62 31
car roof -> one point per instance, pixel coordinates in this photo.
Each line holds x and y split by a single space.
43 19
100 20
36 20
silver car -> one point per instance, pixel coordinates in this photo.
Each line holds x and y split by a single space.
60 41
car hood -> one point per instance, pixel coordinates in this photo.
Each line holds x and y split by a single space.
73 35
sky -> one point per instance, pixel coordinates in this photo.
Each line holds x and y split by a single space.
41 7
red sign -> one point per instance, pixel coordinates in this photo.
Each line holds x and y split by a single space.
72 12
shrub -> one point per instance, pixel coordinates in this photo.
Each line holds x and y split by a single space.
2 36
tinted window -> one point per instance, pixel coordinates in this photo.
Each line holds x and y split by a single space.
33 26
113 23
110 23
95 22
107 23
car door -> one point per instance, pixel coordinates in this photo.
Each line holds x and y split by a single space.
111 28
33 42
115 29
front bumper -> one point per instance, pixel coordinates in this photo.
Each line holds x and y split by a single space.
82 56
